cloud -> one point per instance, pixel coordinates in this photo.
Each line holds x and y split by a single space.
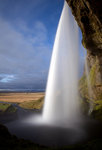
6 78
39 33
24 53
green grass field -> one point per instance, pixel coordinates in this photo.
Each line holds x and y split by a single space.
24 100
32 104
4 107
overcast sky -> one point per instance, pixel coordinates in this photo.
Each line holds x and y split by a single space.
27 32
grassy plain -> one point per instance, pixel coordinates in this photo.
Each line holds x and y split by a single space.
24 100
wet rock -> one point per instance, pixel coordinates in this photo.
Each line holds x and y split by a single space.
88 14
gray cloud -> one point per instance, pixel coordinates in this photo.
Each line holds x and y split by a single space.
24 54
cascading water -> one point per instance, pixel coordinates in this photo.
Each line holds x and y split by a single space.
90 91
61 99
61 123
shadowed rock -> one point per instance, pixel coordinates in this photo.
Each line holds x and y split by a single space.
88 14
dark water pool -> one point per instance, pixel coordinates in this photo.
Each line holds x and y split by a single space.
44 134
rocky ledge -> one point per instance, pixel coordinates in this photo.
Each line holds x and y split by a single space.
88 14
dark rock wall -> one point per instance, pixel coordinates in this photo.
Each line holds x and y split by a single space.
88 14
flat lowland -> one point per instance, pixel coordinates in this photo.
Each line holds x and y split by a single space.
24 100
20 97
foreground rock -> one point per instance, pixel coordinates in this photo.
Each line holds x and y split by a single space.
8 142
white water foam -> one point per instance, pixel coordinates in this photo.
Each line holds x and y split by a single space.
61 99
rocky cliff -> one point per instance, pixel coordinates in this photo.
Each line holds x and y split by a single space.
88 14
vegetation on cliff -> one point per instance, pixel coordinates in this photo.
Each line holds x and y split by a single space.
94 96
88 15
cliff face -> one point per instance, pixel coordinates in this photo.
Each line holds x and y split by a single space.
88 14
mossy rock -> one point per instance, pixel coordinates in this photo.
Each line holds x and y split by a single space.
4 107
93 98
7 108
92 75
84 106
11 109
36 104
97 114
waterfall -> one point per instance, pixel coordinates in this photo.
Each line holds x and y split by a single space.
90 91
61 99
